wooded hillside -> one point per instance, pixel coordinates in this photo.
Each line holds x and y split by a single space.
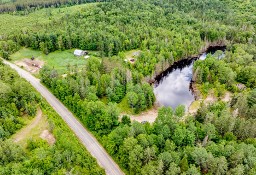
30 6
218 138
169 30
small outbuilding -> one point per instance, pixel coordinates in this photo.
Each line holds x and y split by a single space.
80 52
136 54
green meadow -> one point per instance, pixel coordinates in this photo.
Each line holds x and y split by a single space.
58 59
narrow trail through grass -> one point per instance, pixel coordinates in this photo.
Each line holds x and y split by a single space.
25 131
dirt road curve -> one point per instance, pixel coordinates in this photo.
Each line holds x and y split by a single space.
91 144
20 135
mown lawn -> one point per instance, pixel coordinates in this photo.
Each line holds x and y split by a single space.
58 59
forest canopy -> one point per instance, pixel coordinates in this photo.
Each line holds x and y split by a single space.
19 100
219 138
179 29
30 6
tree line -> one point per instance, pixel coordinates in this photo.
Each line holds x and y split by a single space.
31 6
118 26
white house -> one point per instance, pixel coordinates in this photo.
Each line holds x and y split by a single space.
80 52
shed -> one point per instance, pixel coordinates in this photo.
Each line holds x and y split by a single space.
136 54
80 52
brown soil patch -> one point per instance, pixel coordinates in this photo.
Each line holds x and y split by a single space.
32 66
46 135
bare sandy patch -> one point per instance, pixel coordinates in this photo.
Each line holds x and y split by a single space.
64 75
227 97
147 116
32 66
48 136
210 99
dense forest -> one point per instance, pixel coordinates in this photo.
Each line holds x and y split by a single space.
169 30
238 65
218 139
83 91
26 6
19 99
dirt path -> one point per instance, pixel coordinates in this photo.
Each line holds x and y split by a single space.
26 130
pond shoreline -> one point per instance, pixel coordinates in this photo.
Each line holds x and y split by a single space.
176 85
210 48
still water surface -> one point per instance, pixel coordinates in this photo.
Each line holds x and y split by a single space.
173 86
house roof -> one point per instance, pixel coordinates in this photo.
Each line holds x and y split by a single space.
78 52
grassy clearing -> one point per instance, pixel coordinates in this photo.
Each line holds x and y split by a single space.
124 108
130 54
34 133
123 105
58 59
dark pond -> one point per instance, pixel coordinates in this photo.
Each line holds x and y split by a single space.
173 86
